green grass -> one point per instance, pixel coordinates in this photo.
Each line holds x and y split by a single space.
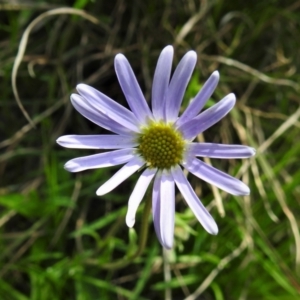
59 240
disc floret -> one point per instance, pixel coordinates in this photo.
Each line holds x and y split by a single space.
161 145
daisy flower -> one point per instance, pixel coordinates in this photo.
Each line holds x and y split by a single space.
158 142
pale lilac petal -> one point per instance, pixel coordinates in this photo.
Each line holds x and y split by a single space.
167 209
126 171
100 160
156 199
132 90
215 177
193 202
161 82
178 85
105 141
137 195
207 118
109 107
201 98
220 150
92 114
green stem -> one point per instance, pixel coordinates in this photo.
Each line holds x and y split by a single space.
142 240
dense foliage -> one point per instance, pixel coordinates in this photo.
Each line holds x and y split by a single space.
59 240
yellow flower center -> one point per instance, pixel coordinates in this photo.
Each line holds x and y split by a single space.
161 146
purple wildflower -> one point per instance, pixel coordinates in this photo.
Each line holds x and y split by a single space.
158 141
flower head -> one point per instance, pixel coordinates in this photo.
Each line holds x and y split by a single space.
157 141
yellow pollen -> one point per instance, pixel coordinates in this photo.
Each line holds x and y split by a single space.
161 146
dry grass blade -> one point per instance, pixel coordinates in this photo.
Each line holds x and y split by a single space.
262 191
261 76
15 5
281 129
20 133
284 206
187 27
23 44
222 264
68 213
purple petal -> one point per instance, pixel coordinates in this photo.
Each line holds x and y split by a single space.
207 118
109 107
163 207
126 171
201 98
215 177
220 150
167 209
161 81
178 85
137 195
100 160
92 114
132 90
106 141
193 202
156 199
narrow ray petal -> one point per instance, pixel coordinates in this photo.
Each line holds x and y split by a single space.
201 98
215 177
109 107
161 82
156 199
105 141
126 171
201 213
137 195
178 84
100 160
220 150
92 114
207 118
167 209
132 90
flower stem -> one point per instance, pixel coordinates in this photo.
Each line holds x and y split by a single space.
142 240
144 227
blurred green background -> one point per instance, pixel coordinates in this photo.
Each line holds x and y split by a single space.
59 240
